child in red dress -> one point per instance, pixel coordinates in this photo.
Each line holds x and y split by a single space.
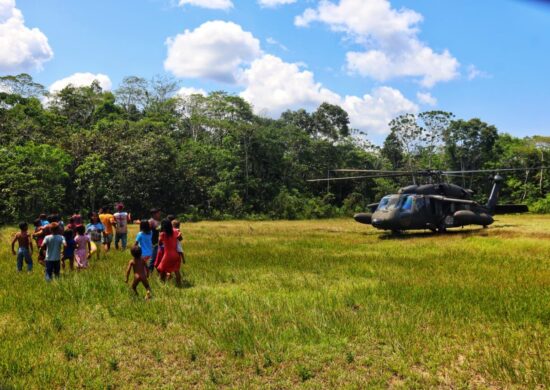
171 260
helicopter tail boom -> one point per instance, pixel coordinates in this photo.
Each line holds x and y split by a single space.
493 198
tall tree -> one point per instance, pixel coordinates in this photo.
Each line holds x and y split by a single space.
22 85
409 134
331 121
393 150
434 124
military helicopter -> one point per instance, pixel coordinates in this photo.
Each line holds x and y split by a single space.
436 207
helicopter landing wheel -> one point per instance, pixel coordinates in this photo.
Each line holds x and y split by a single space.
442 228
396 232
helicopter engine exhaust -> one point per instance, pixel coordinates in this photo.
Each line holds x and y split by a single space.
364 218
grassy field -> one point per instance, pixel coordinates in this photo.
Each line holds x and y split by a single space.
314 304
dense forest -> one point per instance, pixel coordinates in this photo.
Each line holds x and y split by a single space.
212 157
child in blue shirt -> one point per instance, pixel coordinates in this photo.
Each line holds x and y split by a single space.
144 240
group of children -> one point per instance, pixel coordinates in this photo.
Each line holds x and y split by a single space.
75 244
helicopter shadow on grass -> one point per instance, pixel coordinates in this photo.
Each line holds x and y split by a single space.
464 233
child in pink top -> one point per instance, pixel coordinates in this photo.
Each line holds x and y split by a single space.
83 247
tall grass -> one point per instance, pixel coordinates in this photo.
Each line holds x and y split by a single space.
283 304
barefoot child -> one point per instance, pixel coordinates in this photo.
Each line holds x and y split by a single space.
25 247
140 271
144 240
83 248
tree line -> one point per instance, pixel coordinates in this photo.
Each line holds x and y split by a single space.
212 157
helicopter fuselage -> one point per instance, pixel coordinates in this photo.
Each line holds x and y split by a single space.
431 206
435 212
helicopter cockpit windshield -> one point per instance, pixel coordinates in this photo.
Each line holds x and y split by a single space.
389 202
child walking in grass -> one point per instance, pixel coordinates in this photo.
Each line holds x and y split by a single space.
179 248
40 233
144 240
53 244
83 248
140 271
25 247
68 253
94 230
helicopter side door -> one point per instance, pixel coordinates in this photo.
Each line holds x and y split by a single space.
422 212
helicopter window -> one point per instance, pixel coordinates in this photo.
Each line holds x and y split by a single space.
389 202
384 203
407 205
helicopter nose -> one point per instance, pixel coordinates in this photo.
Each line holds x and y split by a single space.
378 223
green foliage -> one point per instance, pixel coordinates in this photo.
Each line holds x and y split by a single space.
33 179
212 157
90 179
541 206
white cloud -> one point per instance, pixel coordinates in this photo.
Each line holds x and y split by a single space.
374 111
212 4
390 39
82 80
188 91
215 50
223 51
426 98
274 3
21 48
274 86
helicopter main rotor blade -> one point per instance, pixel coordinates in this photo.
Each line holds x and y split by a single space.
379 174
368 171
356 177
496 170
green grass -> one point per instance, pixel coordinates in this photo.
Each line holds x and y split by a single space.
314 304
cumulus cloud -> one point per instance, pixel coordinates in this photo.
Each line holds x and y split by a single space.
82 80
274 3
222 51
21 48
212 4
426 99
274 86
389 37
216 50
375 110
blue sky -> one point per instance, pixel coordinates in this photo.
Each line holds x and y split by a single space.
496 68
